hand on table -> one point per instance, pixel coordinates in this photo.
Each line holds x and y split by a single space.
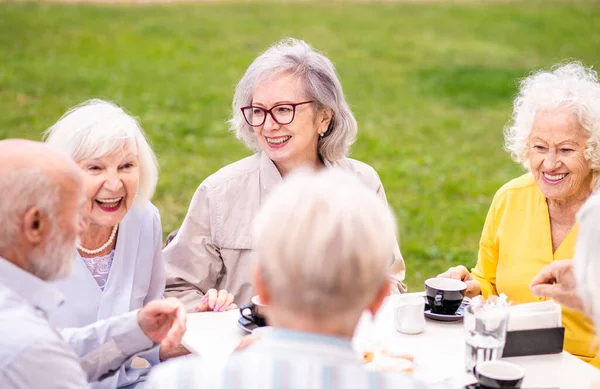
163 321
461 273
214 301
557 281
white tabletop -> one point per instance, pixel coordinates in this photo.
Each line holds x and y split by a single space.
439 350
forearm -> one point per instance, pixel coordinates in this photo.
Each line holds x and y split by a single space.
104 346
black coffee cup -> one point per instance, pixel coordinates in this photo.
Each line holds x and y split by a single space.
444 295
499 375
254 312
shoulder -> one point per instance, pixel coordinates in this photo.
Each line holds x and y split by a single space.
524 183
365 172
144 213
248 166
144 218
523 186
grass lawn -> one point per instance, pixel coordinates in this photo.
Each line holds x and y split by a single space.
431 86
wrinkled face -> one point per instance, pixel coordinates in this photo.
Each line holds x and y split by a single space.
111 183
556 155
294 142
54 260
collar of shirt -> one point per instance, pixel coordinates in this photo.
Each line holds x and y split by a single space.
37 292
270 176
341 346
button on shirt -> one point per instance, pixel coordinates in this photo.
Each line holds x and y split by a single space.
34 355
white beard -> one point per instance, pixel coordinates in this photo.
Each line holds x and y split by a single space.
55 260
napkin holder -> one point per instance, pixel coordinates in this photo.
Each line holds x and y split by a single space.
534 329
534 342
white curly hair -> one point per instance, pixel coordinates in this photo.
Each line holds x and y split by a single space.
572 86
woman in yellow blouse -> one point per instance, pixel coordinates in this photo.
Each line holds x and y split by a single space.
555 134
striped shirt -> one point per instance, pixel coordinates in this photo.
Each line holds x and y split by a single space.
283 359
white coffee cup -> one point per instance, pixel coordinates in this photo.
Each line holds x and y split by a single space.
408 315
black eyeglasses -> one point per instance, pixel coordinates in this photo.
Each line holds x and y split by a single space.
281 113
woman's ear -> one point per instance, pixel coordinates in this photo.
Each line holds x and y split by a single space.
324 120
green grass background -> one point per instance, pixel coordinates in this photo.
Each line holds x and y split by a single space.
431 86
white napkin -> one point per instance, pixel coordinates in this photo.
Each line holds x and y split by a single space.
217 332
530 316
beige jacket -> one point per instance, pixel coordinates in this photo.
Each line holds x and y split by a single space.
213 248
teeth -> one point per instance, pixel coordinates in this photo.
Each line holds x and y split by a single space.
554 177
109 203
110 200
278 141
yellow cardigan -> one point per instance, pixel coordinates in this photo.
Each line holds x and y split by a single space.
515 245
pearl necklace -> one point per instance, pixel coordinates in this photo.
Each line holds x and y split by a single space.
104 246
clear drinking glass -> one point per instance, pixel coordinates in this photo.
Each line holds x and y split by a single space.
485 334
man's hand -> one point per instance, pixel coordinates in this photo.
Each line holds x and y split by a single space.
557 281
163 321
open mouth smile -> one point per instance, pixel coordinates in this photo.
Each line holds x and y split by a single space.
278 142
109 205
554 179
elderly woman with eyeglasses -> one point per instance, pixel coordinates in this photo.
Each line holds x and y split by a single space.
290 108
118 266
555 134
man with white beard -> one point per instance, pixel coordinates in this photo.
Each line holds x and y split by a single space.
41 214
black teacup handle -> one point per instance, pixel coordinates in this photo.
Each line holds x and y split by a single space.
437 301
248 307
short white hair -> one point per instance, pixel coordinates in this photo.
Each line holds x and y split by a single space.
23 189
570 86
320 84
324 242
97 128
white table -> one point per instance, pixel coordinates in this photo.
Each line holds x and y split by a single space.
440 349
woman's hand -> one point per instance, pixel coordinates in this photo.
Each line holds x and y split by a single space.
214 301
461 273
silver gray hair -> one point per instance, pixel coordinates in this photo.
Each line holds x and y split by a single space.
571 86
23 189
320 83
97 128
324 243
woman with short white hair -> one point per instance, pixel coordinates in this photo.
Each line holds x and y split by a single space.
290 109
118 265
555 134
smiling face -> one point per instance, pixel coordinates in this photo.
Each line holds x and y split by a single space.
111 183
294 143
557 145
